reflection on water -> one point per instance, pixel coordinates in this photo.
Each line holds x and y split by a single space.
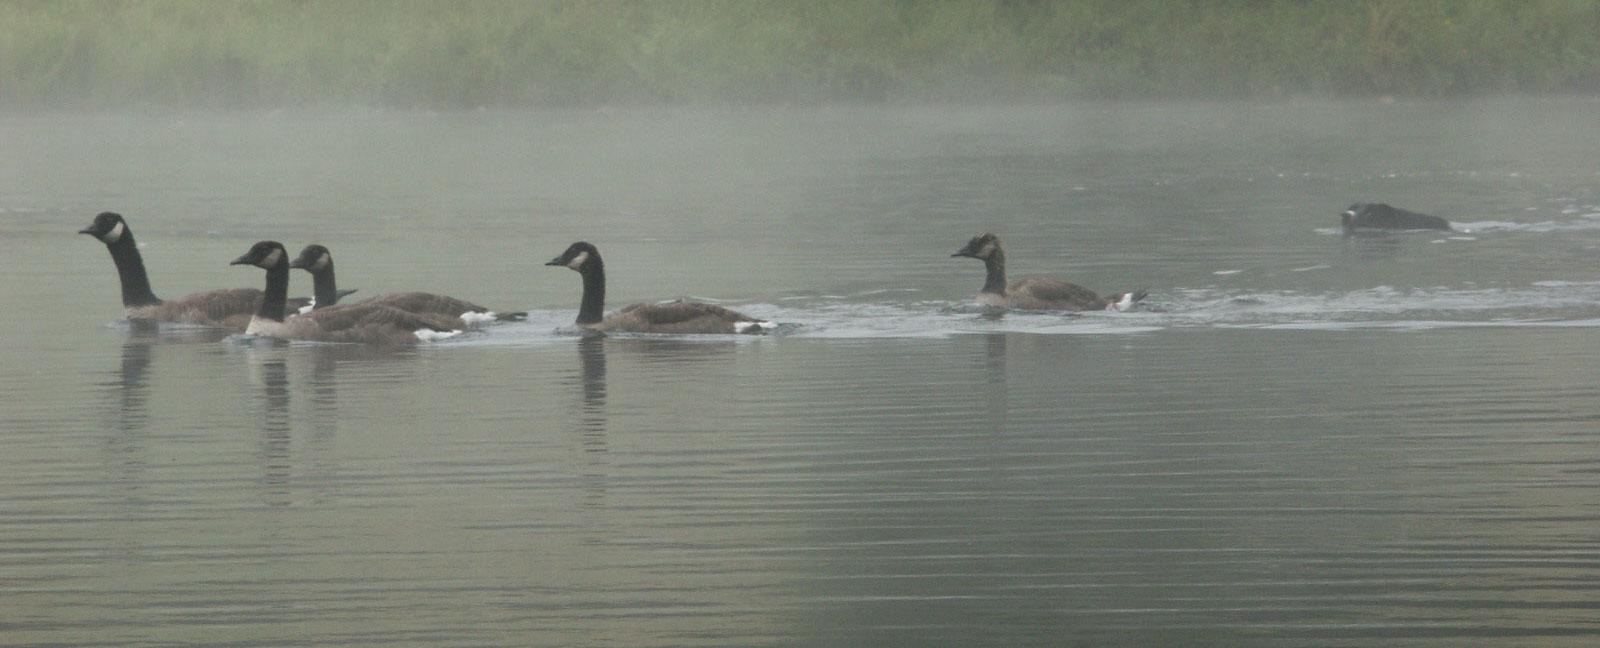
591 417
270 376
592 378
680 351
1376 246
127 413
127 417
995 383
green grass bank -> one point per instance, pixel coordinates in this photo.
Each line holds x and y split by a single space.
439 54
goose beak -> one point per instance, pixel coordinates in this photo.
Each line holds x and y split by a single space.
87 230
555 262
243 260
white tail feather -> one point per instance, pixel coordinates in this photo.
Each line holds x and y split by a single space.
472 317
741 327
430 335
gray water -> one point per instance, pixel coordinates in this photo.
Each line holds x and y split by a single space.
1301 439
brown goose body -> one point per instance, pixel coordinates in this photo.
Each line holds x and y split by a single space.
675 317
227 308
318 261
429 303
356 324
1034 293
1047 293
350 323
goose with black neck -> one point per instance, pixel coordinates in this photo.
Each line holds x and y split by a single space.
1034 293
677 317
228 307
353 323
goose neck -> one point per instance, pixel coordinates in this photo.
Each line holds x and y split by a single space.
593 308
325 290
995 270
136 290
276 295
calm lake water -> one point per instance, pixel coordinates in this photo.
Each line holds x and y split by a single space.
1302 439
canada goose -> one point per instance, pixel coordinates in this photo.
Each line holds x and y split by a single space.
318 261
671 317
1034 293
366 323
1382 216
229 307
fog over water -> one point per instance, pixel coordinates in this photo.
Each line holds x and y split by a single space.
1299 438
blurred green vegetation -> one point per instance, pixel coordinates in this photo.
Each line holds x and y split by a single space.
440 54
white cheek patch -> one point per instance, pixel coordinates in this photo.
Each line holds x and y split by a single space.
272 259
986 251
322 263
578 261
115 234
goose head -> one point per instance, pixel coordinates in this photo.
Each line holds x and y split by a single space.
579 256
266 254
314 258
1347 218
108 227
982 247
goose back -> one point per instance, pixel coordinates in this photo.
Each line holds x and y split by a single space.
1049 293
228 307
421 302
680 317
318 261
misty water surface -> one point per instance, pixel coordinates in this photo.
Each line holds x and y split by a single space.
1301 439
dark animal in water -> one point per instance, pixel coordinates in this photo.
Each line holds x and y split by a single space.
1383 216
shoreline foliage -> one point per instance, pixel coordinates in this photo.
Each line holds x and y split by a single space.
90 54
